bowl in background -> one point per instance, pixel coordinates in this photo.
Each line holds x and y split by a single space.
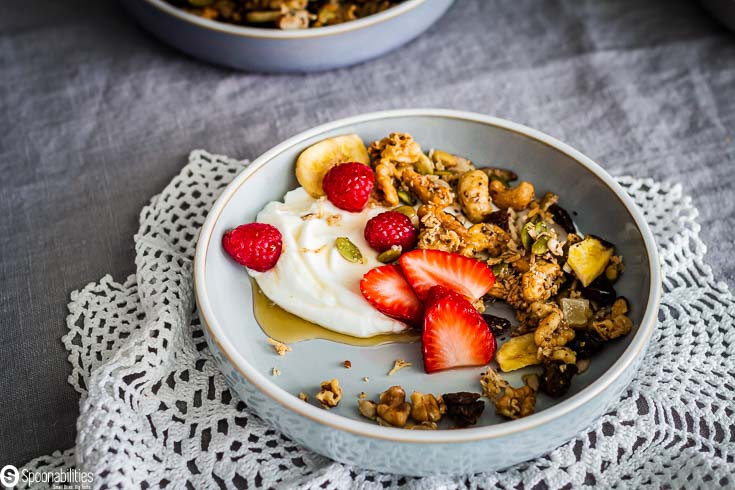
278 51
224 298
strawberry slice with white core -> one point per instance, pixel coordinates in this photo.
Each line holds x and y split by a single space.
455 335
389 292
426 268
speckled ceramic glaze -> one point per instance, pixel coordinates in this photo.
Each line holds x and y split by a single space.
224 297
273 50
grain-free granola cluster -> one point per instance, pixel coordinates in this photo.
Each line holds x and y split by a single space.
284 14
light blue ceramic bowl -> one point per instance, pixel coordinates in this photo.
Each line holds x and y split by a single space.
273 50
223 295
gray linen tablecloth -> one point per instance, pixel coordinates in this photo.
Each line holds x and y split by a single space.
97 116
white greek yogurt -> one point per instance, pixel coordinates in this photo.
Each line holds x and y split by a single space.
311 279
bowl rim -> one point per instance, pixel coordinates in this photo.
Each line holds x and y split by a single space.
357 427
266 33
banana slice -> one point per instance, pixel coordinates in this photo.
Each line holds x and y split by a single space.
317 159
517 353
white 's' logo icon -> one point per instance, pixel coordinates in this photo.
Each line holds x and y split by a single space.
9 475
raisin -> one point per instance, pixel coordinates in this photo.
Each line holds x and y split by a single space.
562 218
586 342
557 378
498 218
464 408
497 324
601 291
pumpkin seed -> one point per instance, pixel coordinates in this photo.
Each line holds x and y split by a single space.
348 250
446 159
406 197
410 212
540 247
499 268
526 239
390 255
200 3
424 165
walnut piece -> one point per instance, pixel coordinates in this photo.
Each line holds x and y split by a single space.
367 408
303 397
426 408
393 408
330 393
279 347
617 324
398 365
516 402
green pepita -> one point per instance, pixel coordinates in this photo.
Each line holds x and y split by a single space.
406 197
410 212
390 255
540 246
446 159
348 250
499 268
424 165
200 3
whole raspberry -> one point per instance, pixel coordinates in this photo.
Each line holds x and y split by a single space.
348 185
257 246
388 229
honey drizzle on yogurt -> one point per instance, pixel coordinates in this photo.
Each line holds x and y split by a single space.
288 328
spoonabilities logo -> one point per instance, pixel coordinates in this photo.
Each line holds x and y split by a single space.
9 476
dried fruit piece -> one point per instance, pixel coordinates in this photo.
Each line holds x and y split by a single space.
497 324
463 408
517 353
586 342
426 268
562 218
389 229
455 335
589 258
576 311
348 186
257 246
601 291
498 218
557 378
389 292
348 250
314 162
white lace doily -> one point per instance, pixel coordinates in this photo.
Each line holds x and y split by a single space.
155 411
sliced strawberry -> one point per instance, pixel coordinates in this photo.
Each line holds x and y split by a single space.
426 268
389 292
438 292
455 335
